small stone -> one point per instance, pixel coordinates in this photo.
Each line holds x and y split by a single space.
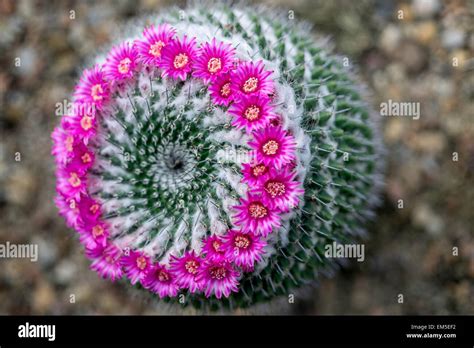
413 56
452 38
390 38
463 293
394 130
470 41
428 142
10 27
20 186
425 32
395 190
459 58
396 75
83 292
65 63
426 8
13 114
26 9
471 267
43 298
424 217
407 12
56 42
445 88
151 4
47 251
28 63
65 271
7 7
410 175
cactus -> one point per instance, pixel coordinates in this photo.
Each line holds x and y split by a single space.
214 154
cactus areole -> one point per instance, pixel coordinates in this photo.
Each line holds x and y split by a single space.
214 155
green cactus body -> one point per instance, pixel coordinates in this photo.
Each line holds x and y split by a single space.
168 162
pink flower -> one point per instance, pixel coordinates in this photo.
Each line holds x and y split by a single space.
254 215
185 270
273 146
68 208
63 145
254 173
93 233
155 39
92 89
106 261
71 182
160 281
214 59
178 57
220 90
280 190
219 278
121 62
136 265
83 159
244 249
252 78
213 248
83 124
252 112
89 209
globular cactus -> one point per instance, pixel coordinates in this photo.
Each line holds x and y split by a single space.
213 154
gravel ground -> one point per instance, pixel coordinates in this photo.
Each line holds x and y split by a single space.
426 56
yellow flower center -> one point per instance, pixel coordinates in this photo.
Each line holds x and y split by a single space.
163 276
68 143
270 148
218 273
259 169
97 231
275 188
124 66
155 49
74 180
214 65
225 90
252 113
250 85
191 266
86 122
257 210
180 61
93 209
141 262
86 158
241 242
216 245
96 92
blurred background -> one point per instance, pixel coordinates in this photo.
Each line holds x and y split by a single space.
426 56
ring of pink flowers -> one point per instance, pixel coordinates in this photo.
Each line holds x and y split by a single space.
109 80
